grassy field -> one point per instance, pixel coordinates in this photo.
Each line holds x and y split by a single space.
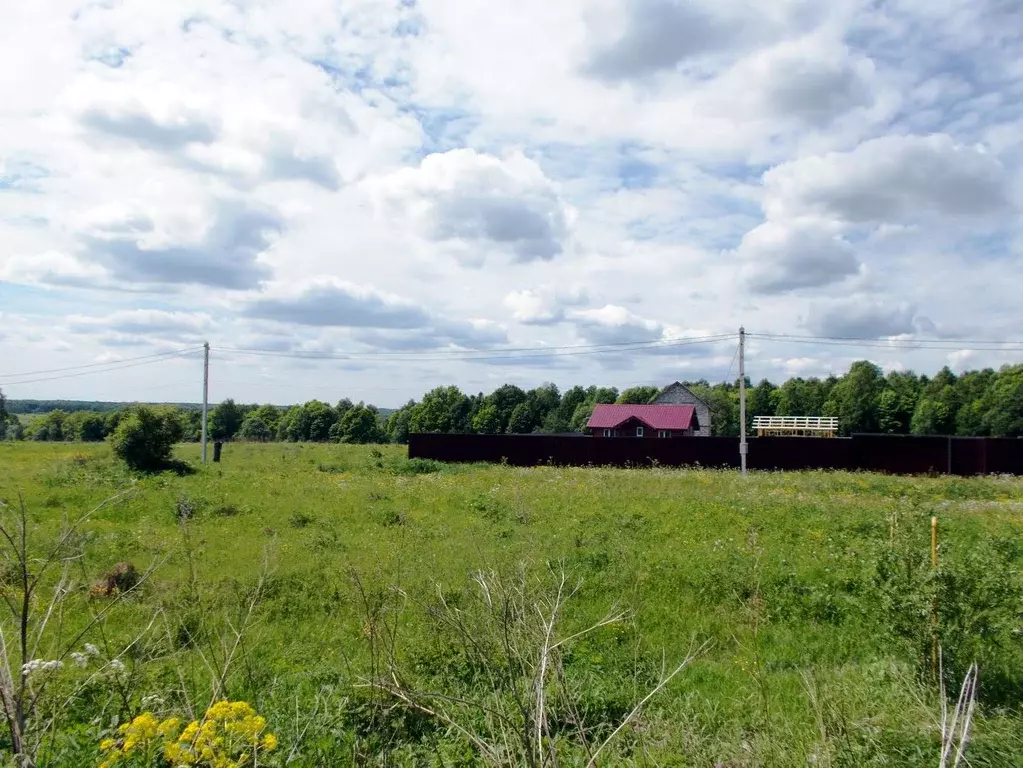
348 575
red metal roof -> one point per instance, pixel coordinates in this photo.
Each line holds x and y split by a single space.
654 416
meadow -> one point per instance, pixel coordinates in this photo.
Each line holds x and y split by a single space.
381 611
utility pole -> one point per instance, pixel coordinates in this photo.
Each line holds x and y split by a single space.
205 394
742 400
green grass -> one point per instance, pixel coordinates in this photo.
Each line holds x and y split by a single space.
815 609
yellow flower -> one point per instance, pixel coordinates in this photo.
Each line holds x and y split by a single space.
107 744
269 742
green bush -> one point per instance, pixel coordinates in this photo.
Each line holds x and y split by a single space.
145 437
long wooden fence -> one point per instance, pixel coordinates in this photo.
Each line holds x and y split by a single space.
894 454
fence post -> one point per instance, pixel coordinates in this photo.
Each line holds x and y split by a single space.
934 601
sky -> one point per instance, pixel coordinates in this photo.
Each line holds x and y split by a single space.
378 197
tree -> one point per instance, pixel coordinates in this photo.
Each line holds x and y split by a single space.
888 418
638 395
855 398
487 420
269 414
89 427
360 424
971 393
3 415
321 417
504 399
443 409
897 402
255 428
762 400
398 423
145 438
542 402
225 420
581 415
930 417
521 421
1004 403
49 427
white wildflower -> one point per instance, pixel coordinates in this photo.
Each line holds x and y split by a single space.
117 665
91 649
80 659
40 665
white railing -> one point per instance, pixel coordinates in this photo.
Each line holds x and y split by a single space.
796 425
795 422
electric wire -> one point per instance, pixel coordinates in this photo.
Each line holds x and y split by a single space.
907 344
98 365
177 355
526 353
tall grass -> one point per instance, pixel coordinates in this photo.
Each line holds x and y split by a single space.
383 613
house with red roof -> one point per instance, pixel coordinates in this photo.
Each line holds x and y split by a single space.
649 421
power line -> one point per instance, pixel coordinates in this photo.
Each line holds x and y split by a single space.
910 344
495 354
176 355
735 355
169 353
879 338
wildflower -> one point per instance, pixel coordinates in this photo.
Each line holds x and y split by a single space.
80 659
116 665
91 649
40 665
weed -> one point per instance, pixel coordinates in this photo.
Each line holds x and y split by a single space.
301 520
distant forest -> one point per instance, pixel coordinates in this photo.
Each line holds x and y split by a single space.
984 402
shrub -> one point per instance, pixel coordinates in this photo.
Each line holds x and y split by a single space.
145 437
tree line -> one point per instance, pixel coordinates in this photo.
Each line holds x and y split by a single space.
984 402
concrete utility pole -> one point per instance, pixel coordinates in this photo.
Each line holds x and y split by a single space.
205 394
742 400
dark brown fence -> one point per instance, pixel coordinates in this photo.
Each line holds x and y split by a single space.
894 454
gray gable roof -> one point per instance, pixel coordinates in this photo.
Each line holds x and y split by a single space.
679 385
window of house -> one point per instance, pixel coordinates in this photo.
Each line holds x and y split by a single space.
663 433
639 431
607 433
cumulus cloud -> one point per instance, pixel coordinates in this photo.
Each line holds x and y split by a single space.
54 269
132 121
466 335
544 305
814 80
332 302
861 317
376 318
659 35
144 321
783 257
226 255
890 179
480 202
612 324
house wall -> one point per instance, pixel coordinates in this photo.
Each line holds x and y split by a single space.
677 394
630 431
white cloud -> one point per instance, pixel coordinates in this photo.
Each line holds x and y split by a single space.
785 257
544 305
890 179
660 35
331 302
479 203
861 317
